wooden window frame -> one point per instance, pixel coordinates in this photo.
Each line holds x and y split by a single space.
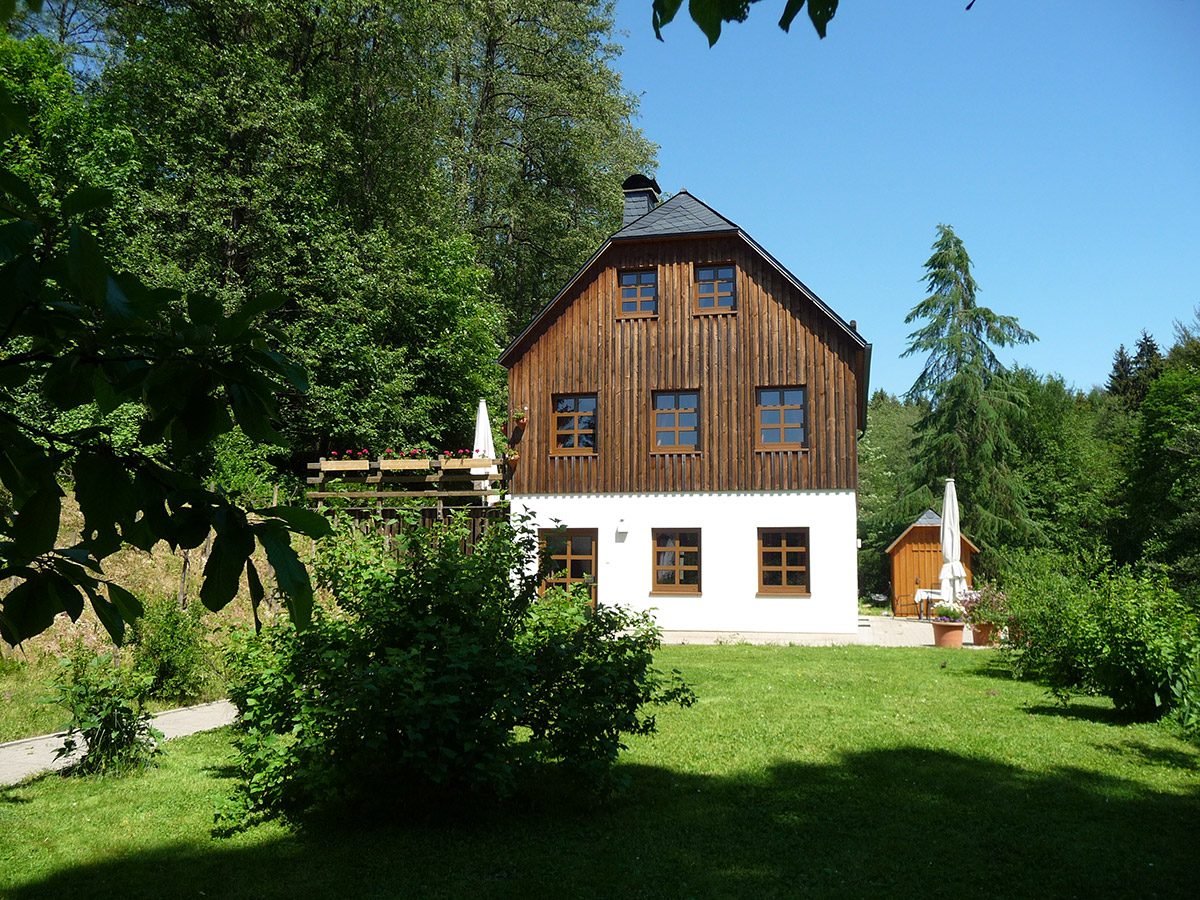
676 428
638 313
594 557
760 408
716 309
783 568
677 566
575 432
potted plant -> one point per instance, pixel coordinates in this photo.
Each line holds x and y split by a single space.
986 611
520 418
948 622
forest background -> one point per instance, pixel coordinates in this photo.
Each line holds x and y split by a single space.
418 178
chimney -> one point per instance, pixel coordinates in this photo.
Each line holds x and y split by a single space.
641 196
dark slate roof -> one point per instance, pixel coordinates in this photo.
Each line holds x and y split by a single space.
929 517
682 214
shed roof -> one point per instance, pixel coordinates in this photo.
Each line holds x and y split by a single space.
927 518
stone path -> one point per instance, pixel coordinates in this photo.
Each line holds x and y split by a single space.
880 631
20 759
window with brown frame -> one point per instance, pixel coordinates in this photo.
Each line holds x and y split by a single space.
639 292
715 289
676 561
783 561
574 424
676 421
779 416
569 557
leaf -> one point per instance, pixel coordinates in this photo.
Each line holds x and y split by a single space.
116 303
36 530
84 199
305 521
282 365
28 609
820 12
261 303
256 592
707 14
129 606
252 415
16 237
86 267
17 189
109 616
204 310
105 498
663 12
789 12
231 549
290 573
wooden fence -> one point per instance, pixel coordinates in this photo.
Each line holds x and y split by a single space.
377 488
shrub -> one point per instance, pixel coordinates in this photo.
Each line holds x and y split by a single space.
416 684
105 703
1119 634
168 650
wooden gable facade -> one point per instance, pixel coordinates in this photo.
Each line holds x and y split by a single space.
778 336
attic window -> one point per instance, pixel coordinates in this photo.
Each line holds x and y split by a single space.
639 292
715 289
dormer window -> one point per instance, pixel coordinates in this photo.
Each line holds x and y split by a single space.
639 292
715 289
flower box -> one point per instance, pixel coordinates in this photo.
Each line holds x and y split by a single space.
404 465
345 465
465 464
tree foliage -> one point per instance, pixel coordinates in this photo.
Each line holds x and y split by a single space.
965 433
77 333
441 676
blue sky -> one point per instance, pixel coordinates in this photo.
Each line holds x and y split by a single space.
1061 140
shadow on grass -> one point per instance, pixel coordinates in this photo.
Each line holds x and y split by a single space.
1161 757
905 822
1101 715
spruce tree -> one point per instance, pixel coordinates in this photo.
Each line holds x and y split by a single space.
965 433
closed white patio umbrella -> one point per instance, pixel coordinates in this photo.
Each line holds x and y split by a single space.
485 448
953 575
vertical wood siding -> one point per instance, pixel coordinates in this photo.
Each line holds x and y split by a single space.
919 555
776 338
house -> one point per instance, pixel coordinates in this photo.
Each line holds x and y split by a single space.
917 561
693 417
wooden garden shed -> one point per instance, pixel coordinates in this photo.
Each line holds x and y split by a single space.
917 561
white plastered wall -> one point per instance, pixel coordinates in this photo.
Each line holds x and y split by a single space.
729 524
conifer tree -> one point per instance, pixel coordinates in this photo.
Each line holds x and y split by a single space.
965 434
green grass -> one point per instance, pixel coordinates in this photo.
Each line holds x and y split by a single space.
824 772
26 687
23 688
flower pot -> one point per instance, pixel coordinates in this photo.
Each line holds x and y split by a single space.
984 635
947 634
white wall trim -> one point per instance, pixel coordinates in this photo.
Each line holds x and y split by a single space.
729 523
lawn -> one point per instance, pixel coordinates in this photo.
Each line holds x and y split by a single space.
831 772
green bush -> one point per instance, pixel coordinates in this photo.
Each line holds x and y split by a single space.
168 650
105 703
438 674
1119 634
